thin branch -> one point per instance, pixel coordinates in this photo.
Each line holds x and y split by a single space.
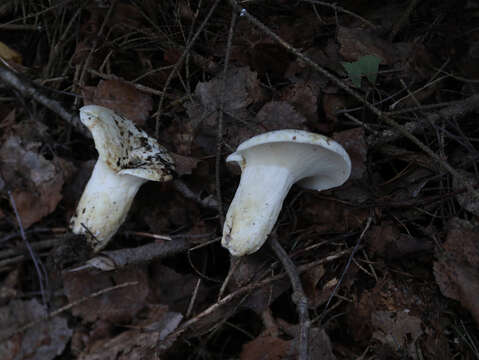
179 63
219 135
299 297
29 90
249 288
208 202
457 109
341 9
66 308
346 268
39 268
117 259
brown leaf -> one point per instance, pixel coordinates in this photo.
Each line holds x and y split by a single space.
184 164
387 241
304 98
356 43
319 343
120 305
251 269
123 98
243 89
354 143
36 183
174 289
124 18
266 348
331 104
334 216
276 115
8 288
389 296
46 340
466 200
146 342
457 268
398 329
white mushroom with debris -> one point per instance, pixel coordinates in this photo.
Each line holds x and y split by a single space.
127 158
271 163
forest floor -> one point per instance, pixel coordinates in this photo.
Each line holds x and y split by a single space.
385 266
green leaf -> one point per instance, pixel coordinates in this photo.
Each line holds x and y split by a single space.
367 65
354 72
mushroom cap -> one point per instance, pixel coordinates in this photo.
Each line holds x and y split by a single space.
318 162
124 148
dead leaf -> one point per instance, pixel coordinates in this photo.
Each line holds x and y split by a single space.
125 18
304 97
266 348
388 296
331 104
387 241
467 201
116 306
251 269
276 115
242 90
121 97
174 289
8 288
354 143
35 182
355 43
46 340
184 164
331 216
320 346
457 268
269 58
399 330
146 342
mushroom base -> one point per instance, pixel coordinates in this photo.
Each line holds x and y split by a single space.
104 205
255 208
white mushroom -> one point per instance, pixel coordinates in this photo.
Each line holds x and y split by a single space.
271 163
127 158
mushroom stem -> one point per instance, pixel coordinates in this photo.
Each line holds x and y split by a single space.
104 204
255 207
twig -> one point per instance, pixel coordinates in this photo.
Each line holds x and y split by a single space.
65 308
456 110
179 63
235 262
299 297
208 202
39 268
142 88
87 62
29 90
219 135
193 298
38 245
116 259
341 9
346 268
35 230
17 27
376 111
402 20
248 289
